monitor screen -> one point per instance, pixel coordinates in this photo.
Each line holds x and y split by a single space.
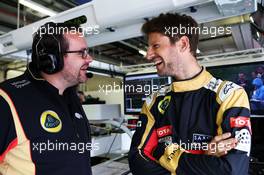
250 76
137 87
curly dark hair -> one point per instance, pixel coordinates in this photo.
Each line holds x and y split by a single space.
174 21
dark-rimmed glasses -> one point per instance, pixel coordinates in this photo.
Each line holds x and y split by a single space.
84 52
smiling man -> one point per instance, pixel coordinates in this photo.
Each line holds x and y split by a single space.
197 125
42 121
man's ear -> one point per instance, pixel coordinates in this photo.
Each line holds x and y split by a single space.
184 44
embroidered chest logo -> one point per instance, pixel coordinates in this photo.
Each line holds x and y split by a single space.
78 115
163 104
20 84
50 121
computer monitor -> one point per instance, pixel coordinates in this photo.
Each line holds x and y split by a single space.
244 75
137 87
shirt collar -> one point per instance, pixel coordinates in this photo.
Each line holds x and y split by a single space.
194 83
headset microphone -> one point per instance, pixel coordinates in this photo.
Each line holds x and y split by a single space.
89 74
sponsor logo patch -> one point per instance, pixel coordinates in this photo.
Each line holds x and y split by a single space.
139 124
213 84
50 121
163 104
167 140
200 138
240 122
164 131
244 140
227 87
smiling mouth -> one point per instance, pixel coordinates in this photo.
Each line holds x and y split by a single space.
156 63
84 68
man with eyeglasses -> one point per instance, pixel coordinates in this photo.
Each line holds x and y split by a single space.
43 128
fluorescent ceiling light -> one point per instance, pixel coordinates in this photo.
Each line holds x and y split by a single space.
38 7
258 35
251 19
142 52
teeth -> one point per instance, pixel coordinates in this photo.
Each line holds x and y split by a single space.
157 62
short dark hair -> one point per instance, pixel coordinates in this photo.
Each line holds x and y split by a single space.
163 22
57 30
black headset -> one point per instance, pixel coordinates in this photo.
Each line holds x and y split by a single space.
49 59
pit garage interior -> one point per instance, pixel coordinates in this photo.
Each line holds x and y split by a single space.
119 50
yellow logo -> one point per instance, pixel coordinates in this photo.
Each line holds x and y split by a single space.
163 104
50 121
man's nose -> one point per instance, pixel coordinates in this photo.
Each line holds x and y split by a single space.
89 58
150 54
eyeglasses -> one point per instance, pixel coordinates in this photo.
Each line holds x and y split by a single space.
84 53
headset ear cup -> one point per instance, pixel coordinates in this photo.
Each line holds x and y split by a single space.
58 61
52 64
48 63
49 60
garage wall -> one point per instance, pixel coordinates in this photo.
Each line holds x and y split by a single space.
111 98
13 73
106 88
99 81
10 74
1 76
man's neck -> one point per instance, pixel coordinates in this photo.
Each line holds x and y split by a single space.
56 81
187 69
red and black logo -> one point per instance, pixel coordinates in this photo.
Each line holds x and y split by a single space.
164 131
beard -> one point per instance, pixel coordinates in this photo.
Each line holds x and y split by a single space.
166 70
82 78
71 78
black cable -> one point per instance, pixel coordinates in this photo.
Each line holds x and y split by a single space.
257 28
